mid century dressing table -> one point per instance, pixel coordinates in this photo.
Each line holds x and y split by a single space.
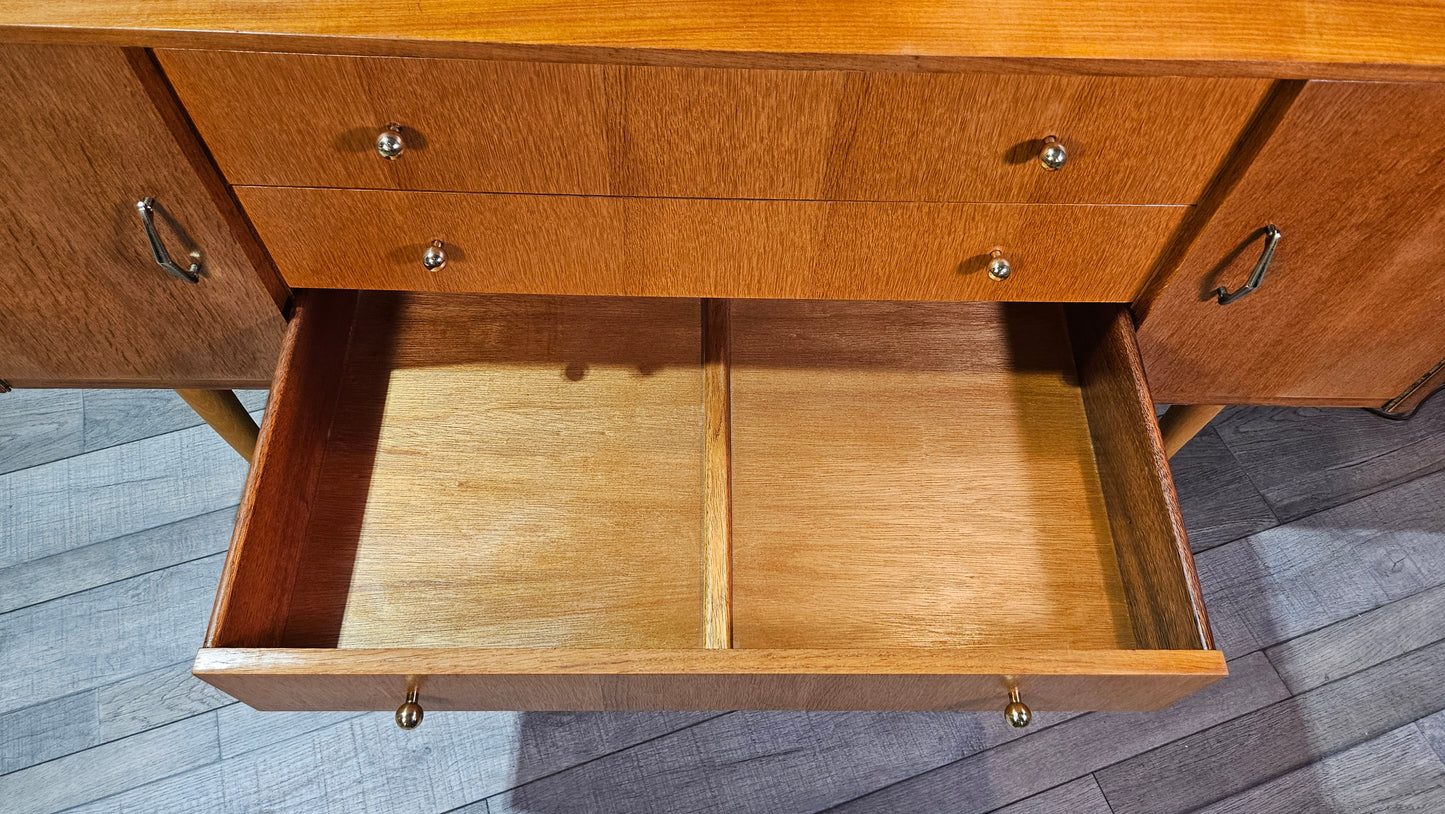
738 355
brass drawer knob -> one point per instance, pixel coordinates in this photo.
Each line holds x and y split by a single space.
435 257
409 714
389 143
999 267
1017 713
1054 154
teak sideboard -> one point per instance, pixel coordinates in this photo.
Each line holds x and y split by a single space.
794 355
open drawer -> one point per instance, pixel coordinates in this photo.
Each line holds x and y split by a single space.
517 502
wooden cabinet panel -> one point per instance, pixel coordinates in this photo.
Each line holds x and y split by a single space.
500 501
536 244
1352 310
472 126
89 132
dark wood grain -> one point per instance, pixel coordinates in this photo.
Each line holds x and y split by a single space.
1310 459
481 126
1080 796
1362 641
542 244
1396 772
1160 584
1299 577
255 590
86 304
1217 499
1209 766
1340 179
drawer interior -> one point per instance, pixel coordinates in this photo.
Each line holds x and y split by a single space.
504 474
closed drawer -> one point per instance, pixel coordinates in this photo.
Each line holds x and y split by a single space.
505 502
707 248
474 126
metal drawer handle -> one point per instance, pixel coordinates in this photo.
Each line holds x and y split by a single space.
435 257
389 143
999 268
1017 713
1271 239
409 714
1054 154
146 208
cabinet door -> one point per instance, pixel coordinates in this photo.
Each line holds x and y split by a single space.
1350 311
89 132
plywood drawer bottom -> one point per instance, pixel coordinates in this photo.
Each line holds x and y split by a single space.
514 502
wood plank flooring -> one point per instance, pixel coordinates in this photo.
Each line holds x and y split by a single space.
1319 537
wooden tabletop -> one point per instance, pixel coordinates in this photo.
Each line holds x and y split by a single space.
1376 39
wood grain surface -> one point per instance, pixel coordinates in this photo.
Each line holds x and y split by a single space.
252 601
563 679
1299 38
510 472
477 126
84 301
586 479
717 565
1350 309
1157 569
534 244
910 474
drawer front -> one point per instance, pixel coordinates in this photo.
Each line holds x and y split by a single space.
493 679
475 126
708 248
509 502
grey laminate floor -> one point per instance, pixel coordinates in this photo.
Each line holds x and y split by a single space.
1320 540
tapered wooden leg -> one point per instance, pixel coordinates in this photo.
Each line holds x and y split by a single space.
226 415
1183 421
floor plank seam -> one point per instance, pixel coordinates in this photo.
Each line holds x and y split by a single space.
127 736
1244 470
594 759
1102 793
112 582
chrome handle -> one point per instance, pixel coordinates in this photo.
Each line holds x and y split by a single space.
146 208
435 257
1271 239
1054 154
999 267
389 143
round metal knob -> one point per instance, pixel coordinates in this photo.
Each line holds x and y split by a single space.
389 143
409 714
1017 713
435 258
998 267
1053 155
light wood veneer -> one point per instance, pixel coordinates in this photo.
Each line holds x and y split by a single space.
481 126
540 244
556 502
1380 39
